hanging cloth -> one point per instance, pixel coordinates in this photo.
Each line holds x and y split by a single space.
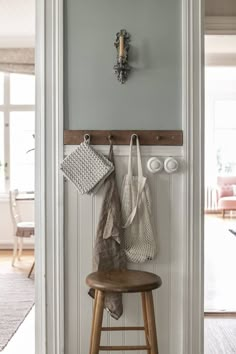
108 250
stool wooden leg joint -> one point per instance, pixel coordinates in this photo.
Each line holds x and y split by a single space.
97 322
149 326
152 334
144 306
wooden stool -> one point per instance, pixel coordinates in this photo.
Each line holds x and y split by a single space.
127 281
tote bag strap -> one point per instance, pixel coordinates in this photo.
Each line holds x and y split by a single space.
141 179
134 211
139 162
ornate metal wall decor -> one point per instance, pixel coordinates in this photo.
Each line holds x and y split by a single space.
122 68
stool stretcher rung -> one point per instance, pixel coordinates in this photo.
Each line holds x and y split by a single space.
123 328
125 347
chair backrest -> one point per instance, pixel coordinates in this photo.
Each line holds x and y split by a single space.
13 207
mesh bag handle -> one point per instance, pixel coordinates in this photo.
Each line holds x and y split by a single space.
142 179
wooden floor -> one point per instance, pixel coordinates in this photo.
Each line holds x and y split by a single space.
24 339
22 266
220 335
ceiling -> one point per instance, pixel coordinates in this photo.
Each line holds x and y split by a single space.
17 23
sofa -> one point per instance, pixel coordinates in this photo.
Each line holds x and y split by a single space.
226 193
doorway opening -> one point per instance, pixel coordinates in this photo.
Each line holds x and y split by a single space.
220 194
17 177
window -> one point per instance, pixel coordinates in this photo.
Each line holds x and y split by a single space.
225 136
17 131
220 123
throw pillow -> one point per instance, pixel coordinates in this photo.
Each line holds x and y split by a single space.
225 191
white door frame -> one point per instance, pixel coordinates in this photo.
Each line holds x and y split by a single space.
49 182
193 126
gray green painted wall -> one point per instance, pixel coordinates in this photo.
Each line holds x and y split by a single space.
151 98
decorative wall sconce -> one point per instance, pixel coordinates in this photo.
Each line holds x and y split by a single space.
122 67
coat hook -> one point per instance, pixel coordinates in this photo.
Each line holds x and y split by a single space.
134 136
110 138
87 138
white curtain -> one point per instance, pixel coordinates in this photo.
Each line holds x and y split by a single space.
17 60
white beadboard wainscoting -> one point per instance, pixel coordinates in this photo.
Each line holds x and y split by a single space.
81 218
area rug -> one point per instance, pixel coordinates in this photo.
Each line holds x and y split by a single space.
16 300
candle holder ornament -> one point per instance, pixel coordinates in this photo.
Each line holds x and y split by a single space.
122 68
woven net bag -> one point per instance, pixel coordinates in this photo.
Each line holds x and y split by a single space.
139 236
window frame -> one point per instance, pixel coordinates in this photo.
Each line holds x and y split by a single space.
6 108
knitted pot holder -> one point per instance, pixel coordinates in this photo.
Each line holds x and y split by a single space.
86 168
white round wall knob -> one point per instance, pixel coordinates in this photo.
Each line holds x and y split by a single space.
171 165
154 165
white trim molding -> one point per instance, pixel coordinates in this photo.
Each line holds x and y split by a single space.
193 126
220 25
49 181
40 234
123 150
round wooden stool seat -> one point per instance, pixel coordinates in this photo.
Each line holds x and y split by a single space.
126 281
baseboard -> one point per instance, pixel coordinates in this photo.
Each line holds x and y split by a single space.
220 313
7 245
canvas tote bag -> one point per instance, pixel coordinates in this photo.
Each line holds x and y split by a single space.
139 236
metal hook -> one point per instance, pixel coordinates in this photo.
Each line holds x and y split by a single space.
134 136
87 138
110 137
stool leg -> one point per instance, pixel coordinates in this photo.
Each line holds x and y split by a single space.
151 322
94 311
97 325
145 321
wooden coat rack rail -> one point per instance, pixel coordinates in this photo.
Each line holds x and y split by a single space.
122 137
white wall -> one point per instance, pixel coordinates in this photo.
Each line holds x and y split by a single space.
26 209
17 23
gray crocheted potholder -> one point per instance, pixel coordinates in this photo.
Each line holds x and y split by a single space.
86 168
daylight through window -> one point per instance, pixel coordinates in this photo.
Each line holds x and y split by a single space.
17 132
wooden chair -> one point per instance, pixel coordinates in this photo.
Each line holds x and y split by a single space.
127 281
21 229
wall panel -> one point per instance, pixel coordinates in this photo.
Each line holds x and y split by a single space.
151 98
